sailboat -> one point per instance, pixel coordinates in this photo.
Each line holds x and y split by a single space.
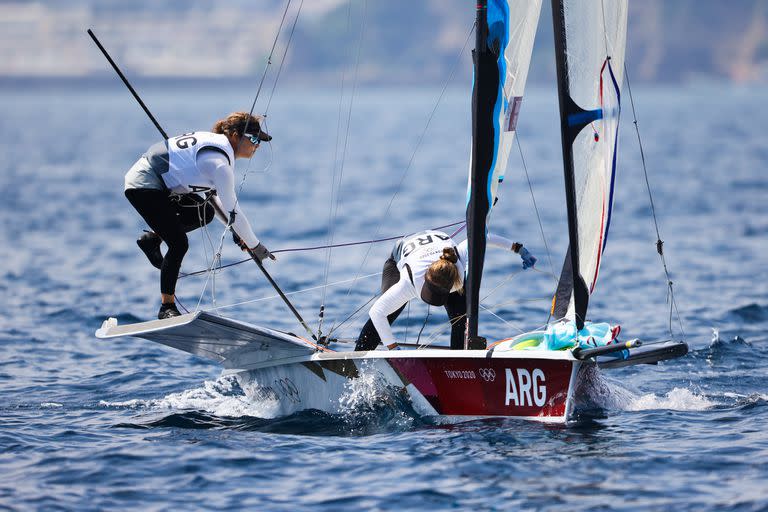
535 375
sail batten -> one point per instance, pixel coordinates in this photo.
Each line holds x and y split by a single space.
505 32
590 40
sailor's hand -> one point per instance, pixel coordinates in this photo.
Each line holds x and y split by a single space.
529 260
239 241
262 252
393 346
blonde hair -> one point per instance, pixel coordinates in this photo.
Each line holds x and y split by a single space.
444 272
236 124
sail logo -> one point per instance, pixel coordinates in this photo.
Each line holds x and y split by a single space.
487 374
525 388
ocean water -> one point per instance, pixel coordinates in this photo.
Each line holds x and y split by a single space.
87 424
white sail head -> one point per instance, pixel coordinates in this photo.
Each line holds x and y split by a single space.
520 19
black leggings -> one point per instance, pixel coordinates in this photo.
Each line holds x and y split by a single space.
456 307
171 217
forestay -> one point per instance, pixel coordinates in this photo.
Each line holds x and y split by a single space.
590 40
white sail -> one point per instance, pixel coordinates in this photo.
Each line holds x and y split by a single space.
594 41
519 19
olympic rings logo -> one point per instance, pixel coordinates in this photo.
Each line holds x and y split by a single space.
487 374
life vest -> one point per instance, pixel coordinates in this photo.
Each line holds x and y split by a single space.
180 173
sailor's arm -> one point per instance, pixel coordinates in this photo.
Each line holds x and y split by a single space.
390 301
504 243
216 166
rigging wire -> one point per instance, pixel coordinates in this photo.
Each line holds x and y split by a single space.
333 207
317 247
216 262
282 60
535 206
296 292
416 149
659 243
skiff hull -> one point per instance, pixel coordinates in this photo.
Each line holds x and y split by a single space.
295 374
438 383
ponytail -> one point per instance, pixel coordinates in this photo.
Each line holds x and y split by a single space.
449 253
444 272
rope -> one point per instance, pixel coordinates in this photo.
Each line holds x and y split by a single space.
354 313
217 257
416 149
305 290
333 207
659 243
315 248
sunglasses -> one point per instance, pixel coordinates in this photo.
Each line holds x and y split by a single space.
253 138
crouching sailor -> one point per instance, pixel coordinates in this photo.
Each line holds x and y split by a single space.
163 186
430 266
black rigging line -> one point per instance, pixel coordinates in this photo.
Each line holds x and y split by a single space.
285 52
535 206
333 209
659 242
413 155
317 247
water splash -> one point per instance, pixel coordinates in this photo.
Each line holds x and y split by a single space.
222 397
678 399
601 392
369 405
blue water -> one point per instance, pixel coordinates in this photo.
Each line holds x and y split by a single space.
87 424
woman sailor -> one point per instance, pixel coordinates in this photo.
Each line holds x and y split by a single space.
428 265
163 186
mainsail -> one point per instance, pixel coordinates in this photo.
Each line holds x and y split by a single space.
590 39
504 39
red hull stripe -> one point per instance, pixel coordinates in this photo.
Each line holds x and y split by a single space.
490 387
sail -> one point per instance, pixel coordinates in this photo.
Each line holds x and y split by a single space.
504 39
590 41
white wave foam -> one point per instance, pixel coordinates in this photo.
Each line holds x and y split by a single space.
367 397
50 405
222 397
678 399
365 392
606 393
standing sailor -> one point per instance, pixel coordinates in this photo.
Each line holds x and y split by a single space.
163 186
431 266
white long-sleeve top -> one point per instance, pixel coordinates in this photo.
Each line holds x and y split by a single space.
419 251
215 168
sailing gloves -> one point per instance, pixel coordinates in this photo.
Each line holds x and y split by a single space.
259 251
262 252
529 260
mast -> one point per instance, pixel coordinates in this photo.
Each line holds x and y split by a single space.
572 120
478 205
504 34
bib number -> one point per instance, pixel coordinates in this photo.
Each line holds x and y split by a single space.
186 140
418 242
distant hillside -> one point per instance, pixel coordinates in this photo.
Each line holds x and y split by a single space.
404 41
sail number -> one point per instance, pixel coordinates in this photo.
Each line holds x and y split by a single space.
525 388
